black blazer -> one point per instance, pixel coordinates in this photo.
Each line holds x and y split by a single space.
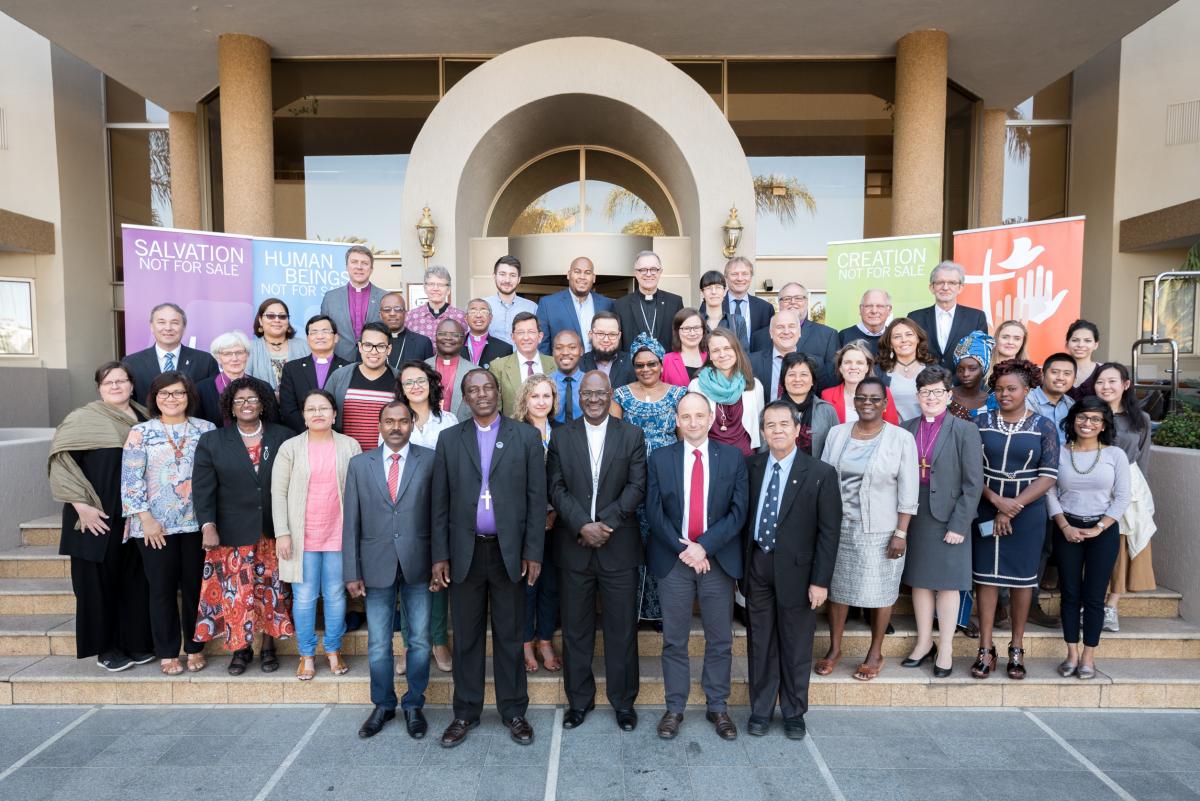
517 485
620 372
622 488
728 505
407 346
965 321
300 377
810 519
630 308
760 364
761 312
210 400
492 349
195 364
226 489
848 335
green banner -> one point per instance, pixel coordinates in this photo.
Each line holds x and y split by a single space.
900 265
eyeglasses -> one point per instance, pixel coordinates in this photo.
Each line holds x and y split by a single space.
874 401
373 347
1094 419
648 270
275 316
320 332
931 393
690 329
172 394
115 383
392 309
593 394
605 334
415 382
317 409
645 365
246 402
436 284
945 284
233 354
792 299
448 335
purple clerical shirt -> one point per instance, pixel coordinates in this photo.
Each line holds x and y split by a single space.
485 510
477 344
359 299
322 368
927 435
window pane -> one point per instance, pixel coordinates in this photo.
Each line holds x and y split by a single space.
344 198
614 209
216 179
960 136
555 212
122 104
805 202
1035 173
141 182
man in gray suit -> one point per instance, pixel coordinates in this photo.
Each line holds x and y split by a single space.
354 305
385 552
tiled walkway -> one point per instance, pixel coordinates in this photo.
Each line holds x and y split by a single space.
312 752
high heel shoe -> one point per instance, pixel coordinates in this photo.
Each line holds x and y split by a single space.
941 672
1016 665
916 663
985 663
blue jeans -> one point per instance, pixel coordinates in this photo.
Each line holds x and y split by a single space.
541 605
322 578
381 611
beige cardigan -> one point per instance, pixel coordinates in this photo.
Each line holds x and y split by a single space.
289 492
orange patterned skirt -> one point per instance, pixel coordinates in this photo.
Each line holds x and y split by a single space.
241 594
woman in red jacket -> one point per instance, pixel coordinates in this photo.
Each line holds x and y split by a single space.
854 363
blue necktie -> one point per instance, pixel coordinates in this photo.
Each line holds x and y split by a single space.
765 537
739 324
168 362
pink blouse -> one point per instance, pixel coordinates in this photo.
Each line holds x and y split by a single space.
323 506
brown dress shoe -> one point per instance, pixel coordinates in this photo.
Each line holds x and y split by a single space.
456 732
668 727
520 731
723 724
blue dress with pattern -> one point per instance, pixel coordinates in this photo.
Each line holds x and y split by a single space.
657 421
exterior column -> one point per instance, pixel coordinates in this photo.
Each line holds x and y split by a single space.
185 170
919 140
247 146
992 143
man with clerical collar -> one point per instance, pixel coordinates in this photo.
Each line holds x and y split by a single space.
482 346
506 303
450 364
308 372
357 303
424 318
606 354
406 345
873 310
648 309
488 524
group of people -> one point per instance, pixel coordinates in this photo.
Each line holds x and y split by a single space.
519 465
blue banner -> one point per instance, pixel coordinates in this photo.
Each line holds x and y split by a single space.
299 273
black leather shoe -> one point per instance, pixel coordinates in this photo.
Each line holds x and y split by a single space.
794 728
456 732
668 726
415 721
374 724
941 672
723 724
909 662
757 727
575 717
520 731
627 719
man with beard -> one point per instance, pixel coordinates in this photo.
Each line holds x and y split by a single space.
606 354
574 308
506 303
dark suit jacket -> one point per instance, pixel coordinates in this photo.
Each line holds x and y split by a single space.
556 313
728 505
492 349
228 491
630 308
195 364
956 477
407 346
760 363
210 401
517 482
848 335
299 378
965 321
817 340
620 372
622 488
377 534
810 519
761 312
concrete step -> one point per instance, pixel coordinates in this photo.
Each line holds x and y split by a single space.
34 561
1119 683
1145 638
36 596
43 531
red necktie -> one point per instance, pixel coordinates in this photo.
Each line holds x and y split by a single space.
696 500
394 477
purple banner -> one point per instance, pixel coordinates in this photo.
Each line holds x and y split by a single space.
210 275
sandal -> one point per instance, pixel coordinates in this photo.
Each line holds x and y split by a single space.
336 666
865 672
171 667
307 668
270 662
549 657
241 658
1016 666
196 663
531 663
985 663
825 665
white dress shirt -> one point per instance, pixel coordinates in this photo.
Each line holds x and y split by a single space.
162 354
944 320
585 310
689 461
595 440
387 463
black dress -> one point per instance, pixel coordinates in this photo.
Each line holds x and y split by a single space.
112 607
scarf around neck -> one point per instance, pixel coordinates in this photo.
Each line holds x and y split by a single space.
719 389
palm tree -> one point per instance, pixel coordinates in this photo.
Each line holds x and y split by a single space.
781 196
537 219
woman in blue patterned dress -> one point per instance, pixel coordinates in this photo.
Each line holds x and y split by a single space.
1020 464
648 403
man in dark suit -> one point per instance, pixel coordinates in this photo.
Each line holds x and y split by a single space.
945 321
873 311
357 303
407 346
597 474
606 354
167 323
489 521
649 308
480 347
746 313
308 372
385 553
696 502
791 543
817 340
766 364
572 309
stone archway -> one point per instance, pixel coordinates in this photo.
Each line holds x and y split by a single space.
575 91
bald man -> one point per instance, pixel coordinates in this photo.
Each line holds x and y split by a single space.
572 308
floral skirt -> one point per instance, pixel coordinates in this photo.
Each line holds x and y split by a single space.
241 594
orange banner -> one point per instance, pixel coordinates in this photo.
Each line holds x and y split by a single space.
1032 272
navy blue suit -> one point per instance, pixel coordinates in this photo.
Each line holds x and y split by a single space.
728 506
965 321
759 317
557 313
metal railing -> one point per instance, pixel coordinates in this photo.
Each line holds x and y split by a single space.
1155 339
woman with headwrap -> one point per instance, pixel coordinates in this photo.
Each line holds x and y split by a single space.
648 403
972 358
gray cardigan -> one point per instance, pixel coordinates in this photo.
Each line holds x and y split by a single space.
956 477
891 485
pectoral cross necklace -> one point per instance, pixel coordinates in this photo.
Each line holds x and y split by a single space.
486 497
